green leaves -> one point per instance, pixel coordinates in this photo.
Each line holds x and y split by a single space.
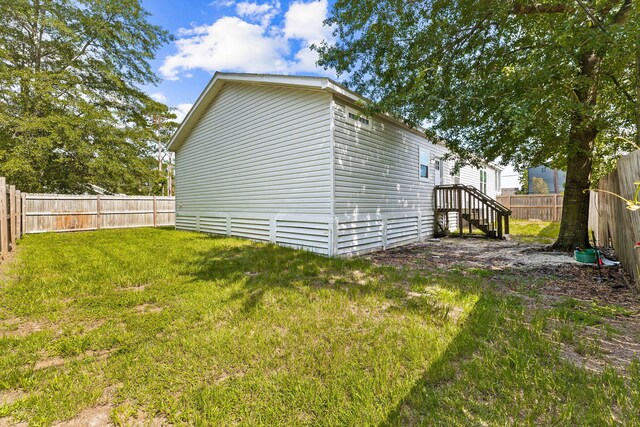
493 78
71 110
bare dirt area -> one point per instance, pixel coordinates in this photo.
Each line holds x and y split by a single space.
607 309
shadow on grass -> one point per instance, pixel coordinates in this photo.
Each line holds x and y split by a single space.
505 368
253 269
422 405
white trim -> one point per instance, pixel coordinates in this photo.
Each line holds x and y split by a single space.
333 237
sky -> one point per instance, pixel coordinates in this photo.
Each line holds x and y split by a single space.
226 35
262 36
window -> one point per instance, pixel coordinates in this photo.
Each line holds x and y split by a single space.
498 182
424 164
358 119
483 181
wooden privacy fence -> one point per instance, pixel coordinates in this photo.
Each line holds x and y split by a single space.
613 223
10 218
545 207
59 212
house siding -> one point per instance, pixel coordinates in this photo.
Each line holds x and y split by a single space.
380 199
256 165
470 175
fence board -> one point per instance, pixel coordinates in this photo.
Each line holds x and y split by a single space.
55 212
12 217
4 226
612 222
545 207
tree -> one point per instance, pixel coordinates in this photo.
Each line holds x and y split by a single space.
539 82
71 109
539 185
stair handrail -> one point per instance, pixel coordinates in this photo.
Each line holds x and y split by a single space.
480 195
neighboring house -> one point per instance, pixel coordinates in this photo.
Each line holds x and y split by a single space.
554 178
292 160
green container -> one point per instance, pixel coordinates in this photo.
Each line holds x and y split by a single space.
587 256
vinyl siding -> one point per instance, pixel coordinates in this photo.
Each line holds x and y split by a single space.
260 155
380 199
470 175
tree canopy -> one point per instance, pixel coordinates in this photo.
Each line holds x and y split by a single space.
544 82
71 109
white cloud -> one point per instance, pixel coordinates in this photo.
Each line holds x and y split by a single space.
252 44
229 43
222 3
255 12
159 97
181 111
304 21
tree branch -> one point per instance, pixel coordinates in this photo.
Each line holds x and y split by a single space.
622 89
623 13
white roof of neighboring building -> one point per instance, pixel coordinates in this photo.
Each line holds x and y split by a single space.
302 82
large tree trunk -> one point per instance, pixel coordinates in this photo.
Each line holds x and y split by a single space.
575 210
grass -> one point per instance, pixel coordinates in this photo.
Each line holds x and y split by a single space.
192 329
534 231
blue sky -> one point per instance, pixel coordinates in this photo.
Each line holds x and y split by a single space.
262 36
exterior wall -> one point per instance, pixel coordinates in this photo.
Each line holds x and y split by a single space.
380 199
257 165
470 175
287 165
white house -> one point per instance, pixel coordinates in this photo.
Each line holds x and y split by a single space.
293 161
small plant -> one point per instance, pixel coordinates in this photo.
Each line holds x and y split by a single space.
632 205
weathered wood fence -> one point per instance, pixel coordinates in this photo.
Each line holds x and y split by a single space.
545 207
59 212
10 218
22 213
609 218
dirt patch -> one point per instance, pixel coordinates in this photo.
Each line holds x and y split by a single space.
9 422
543 280
17 328
148 308
9 397
470 252
53 362
98 416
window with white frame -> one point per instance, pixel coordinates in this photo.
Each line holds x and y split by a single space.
498 181
358 119
424 164
483 181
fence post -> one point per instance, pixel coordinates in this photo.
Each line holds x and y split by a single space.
12 216
18 200
460 212
555 207
23 228
155 212
4 238
98 216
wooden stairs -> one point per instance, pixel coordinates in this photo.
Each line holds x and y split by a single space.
468 208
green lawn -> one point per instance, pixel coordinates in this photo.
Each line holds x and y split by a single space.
155 325
534 231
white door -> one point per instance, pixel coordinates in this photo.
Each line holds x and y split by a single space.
438 171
